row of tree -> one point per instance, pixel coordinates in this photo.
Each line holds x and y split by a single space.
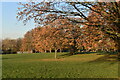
71 25
105 15
11 45
62 35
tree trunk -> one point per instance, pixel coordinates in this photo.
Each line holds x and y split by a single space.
45 51
73 48
118 48
50 50
71 51
55 53
117 39
60 50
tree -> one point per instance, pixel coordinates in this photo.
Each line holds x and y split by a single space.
94 39
0 44
27 42
9 45
66 32
47 38
107 14
40 39
18 44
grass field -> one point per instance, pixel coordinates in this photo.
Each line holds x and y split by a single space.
43 65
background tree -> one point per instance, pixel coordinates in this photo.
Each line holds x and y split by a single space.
9 45
27 42
0 44
67 33
18 44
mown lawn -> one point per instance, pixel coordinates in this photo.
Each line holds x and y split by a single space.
43 65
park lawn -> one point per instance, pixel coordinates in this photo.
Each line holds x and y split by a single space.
43 65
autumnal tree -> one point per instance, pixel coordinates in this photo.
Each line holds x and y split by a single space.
63 34
67 33
36 39
27 42
40 41
57 35
106 14
47 39
94 39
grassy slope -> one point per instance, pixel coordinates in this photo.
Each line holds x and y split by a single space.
43 65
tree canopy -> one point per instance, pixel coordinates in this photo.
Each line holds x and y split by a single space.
102 15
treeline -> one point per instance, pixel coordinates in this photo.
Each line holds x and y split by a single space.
100 20
10 46
70 28
62 35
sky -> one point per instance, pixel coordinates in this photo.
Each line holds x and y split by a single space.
11 27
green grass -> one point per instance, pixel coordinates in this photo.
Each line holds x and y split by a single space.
44 65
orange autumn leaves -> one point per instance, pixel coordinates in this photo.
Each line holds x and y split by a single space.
65 35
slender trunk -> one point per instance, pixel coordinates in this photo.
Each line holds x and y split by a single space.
50 50
45 51
102 49
55 53
60 50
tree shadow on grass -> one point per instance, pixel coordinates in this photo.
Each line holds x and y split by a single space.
106 58
104 52
68 54
107 61
5 58
65 55
84 53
